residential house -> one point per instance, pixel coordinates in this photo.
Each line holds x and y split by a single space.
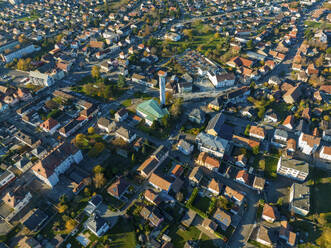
234 195
210 225
325 153
280 138
289 122
222 218
209 162
258 183
105 124
118 188
161 183
215 124
197 116
188 218
257 132
220 80
308 143
35 219
269 213
214 187
152 197
121 115
97 225
242 177
28 242
56 162
150 164
185 147
126 134
211 144
216 104
300 199
93 204
288 236
50 125
291 146
151 111
153 215
292 95
270 116
241 160
17 198
6 177
265 236
293 168
72 127
196 175
245 142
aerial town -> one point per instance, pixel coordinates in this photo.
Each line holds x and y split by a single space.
165 123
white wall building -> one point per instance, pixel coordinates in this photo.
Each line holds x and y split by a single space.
56 163
325 153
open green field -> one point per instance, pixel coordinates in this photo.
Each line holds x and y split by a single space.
123 235
179 237
29 18
314 24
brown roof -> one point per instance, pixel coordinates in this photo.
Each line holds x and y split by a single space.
233 193
327 150
326 89
288 120
246 141
269 211
118 187
291 144
49 124
214 185
96 44
311 140
257 131
204 159
148 165
258 183
46 166
160 182
151 196
177 170
242 174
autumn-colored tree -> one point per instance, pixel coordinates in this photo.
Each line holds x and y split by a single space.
262 164
98 169
70 225
61 207
87 192
99 180
90 130
81 141
95 72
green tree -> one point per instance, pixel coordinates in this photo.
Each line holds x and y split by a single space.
121 81
255 150
262 164
248 127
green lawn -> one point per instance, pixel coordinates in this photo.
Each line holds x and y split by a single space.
281 109
314 24
29 18
179 237
271 167
206 242
127 103
123 235
201 203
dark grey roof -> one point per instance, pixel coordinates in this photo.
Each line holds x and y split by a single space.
95 222
160 152
216 122
96 200
36 220
301 196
